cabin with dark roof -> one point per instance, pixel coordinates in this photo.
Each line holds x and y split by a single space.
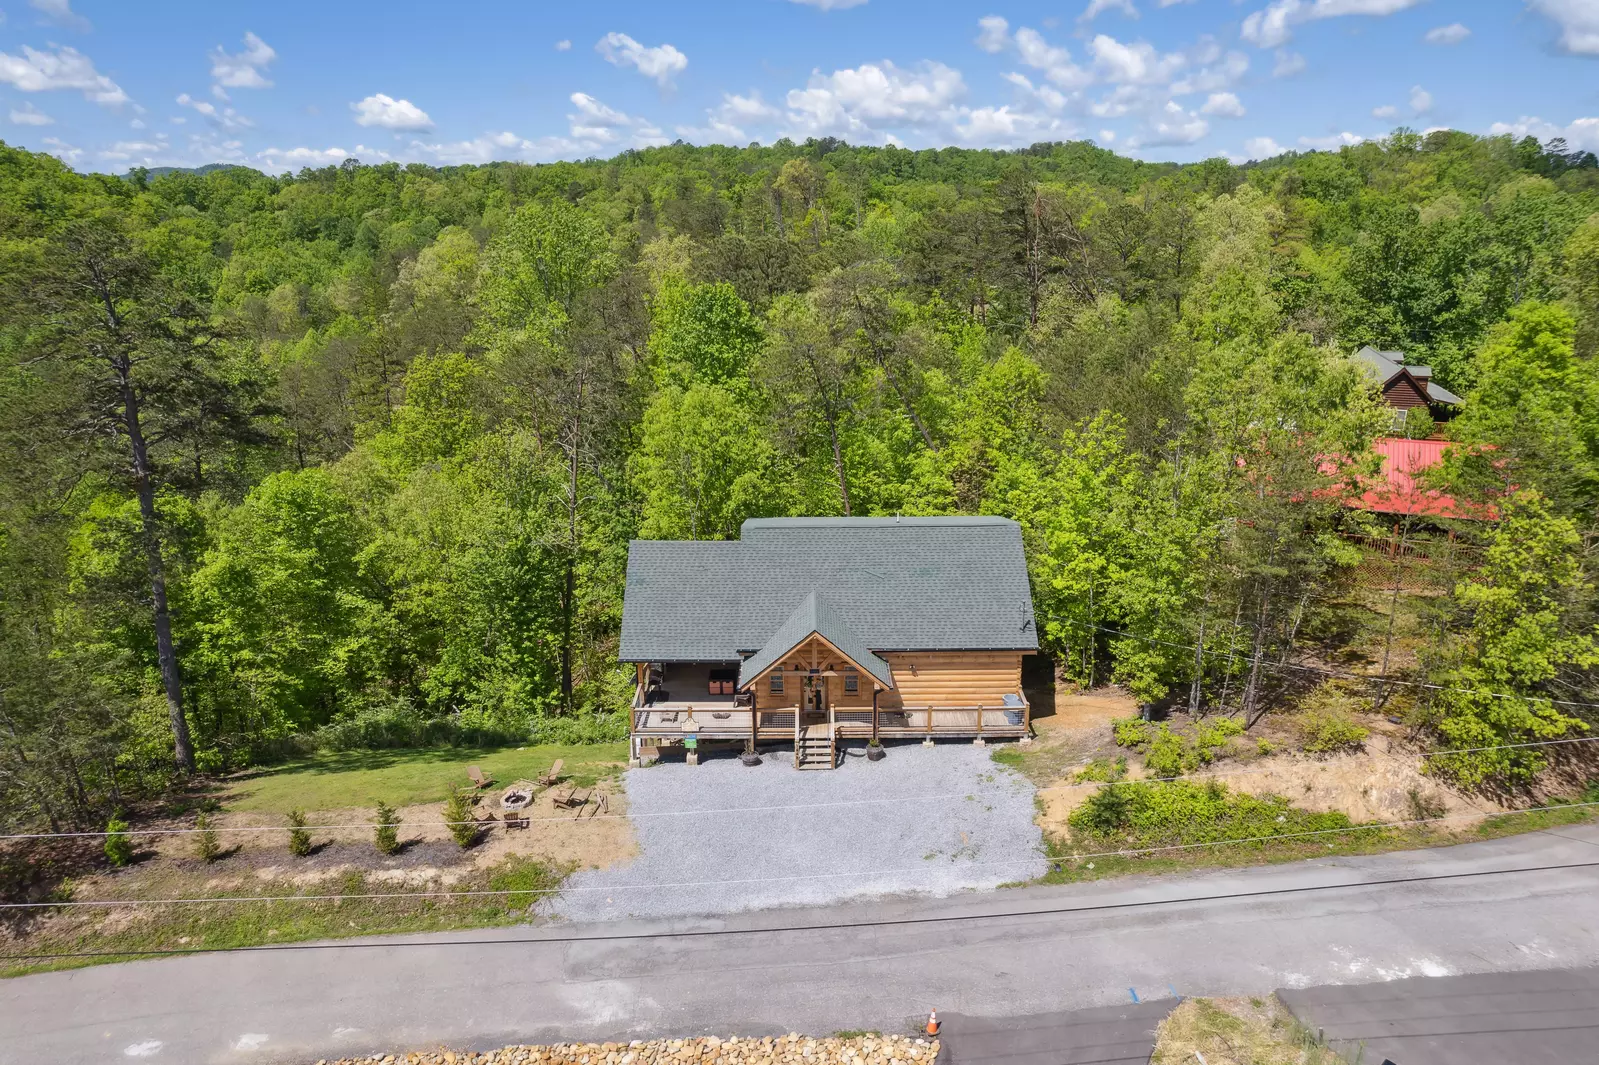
1406 387
816 631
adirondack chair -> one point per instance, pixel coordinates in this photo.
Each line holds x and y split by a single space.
479 781
553 776
516 819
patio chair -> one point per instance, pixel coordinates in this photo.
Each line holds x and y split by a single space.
553 776
479 781
516 819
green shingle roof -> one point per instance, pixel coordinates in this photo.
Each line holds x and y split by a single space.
814 615
897 584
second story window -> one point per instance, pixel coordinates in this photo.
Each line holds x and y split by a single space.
852 681
777 681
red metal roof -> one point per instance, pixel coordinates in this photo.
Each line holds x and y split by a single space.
1403 461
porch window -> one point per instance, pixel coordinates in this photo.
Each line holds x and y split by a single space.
852 681
777 681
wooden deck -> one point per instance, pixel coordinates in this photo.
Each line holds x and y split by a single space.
712 722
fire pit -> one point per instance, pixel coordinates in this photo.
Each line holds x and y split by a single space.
516 799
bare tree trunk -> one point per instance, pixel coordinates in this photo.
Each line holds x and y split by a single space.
569 587
144 485
893 381
1397 555
838 464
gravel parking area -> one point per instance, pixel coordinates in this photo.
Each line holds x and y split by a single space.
722 837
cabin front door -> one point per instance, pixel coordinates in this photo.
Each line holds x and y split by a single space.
816 700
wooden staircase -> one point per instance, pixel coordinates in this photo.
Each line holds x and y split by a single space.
813 748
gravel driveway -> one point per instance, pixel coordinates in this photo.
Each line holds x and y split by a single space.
722 837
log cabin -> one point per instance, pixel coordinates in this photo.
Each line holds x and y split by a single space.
812 632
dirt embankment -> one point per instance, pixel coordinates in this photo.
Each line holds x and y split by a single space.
1382 781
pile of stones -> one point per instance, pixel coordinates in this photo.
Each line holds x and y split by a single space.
791 1049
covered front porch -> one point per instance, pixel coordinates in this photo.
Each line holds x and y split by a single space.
695 723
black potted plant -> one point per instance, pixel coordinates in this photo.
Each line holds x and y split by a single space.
874 751
749 757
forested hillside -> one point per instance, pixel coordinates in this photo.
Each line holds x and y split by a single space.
360 449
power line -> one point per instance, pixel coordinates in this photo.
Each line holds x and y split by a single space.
1126 852
700 933
952 796
1325 672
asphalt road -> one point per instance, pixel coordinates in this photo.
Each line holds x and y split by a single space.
1550 1017
1240 932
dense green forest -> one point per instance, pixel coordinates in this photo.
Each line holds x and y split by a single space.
354 455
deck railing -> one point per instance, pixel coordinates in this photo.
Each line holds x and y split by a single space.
975 720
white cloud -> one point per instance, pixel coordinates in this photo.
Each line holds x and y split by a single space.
725 123
831 5
1420 100
1288 64
858 101
1174 3
1108 136
294 158
226 117
1272 26
242 70
63 151
993 34
1055 62
1268 27
662 62
147 153
1385 111
1133 64
1171 126
60 12
1218 73
1329 143
1453 33
385 112
28 115
1045 96
62 69
1583 133
1223 105
1262 148
1578 21
1096 8
563 46
596 125
1007 125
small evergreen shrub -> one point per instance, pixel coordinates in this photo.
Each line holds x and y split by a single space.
1330 730
1168 755
458 812
1214 734
118 846
1131 731
1181 811
206 847
299 838
1265 746
386 837
1102 771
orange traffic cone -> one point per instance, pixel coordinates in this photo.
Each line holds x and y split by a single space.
932 1023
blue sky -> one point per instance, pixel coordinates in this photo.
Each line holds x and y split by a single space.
287 84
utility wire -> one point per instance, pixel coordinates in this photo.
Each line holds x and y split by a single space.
1126 852
952 796
1324 672
900 922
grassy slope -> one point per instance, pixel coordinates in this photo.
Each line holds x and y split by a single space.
1259 1031
361 778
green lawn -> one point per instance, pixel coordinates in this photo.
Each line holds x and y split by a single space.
402 777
